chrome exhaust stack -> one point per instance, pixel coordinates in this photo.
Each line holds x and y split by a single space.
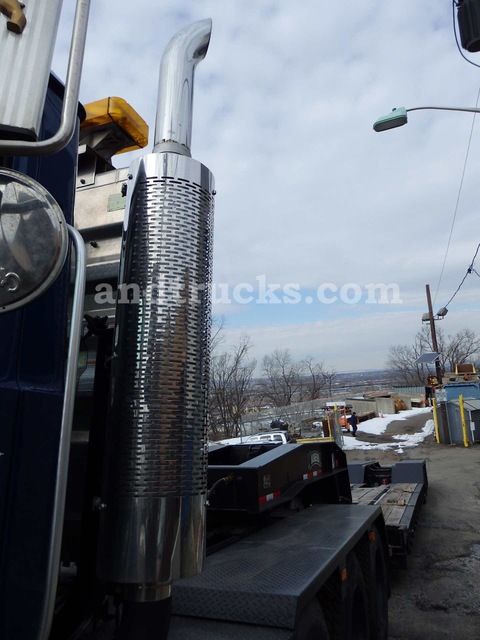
173 124
152 528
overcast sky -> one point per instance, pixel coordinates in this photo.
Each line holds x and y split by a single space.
309 197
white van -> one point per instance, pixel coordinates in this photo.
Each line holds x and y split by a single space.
266 438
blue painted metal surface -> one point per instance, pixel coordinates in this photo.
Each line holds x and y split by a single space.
32 368
466 389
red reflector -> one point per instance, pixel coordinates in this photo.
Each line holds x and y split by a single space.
269 497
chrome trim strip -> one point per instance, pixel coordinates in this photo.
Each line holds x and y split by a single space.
65 434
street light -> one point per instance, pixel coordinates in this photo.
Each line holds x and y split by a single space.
398 116
441 313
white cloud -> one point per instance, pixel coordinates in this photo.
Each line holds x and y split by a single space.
307 192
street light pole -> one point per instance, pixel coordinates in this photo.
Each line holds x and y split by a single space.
398 117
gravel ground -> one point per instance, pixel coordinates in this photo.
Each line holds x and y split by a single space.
438 595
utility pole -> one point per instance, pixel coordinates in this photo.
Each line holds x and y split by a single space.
438 365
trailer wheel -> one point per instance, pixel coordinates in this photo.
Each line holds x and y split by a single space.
356 604
145 620
377 587
311 624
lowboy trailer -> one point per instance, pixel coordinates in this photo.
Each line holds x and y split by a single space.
400 490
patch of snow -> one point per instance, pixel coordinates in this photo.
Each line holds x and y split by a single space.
377 426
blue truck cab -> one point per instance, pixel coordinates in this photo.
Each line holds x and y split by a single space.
32 384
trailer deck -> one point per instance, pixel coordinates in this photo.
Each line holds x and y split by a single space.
400 490
394 499
267 578
256 478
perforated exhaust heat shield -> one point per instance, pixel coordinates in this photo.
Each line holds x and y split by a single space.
153 523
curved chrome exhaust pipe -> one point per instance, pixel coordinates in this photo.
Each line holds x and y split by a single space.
173 125
152 530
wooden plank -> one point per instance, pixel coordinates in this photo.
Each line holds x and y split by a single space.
387 510
395 501
392 498
398 493
395 516
366 495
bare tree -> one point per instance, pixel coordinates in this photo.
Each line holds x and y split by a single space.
315 379
230 387
462 347
329 377
282 378
286 381
401 363
218 337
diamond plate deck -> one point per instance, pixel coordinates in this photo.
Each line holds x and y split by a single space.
266 577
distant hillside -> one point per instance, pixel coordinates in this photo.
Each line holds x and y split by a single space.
360 381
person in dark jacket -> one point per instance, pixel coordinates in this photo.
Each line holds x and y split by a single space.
353 423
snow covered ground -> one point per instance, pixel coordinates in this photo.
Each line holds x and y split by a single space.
377 426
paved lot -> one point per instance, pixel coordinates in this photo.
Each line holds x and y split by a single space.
438 596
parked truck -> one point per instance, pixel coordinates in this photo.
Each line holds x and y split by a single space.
115 520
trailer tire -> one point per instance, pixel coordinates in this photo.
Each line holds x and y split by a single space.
311 623
145 620
356 602
377 587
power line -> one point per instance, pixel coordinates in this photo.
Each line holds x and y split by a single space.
470 268
469 271
458 201
454 4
